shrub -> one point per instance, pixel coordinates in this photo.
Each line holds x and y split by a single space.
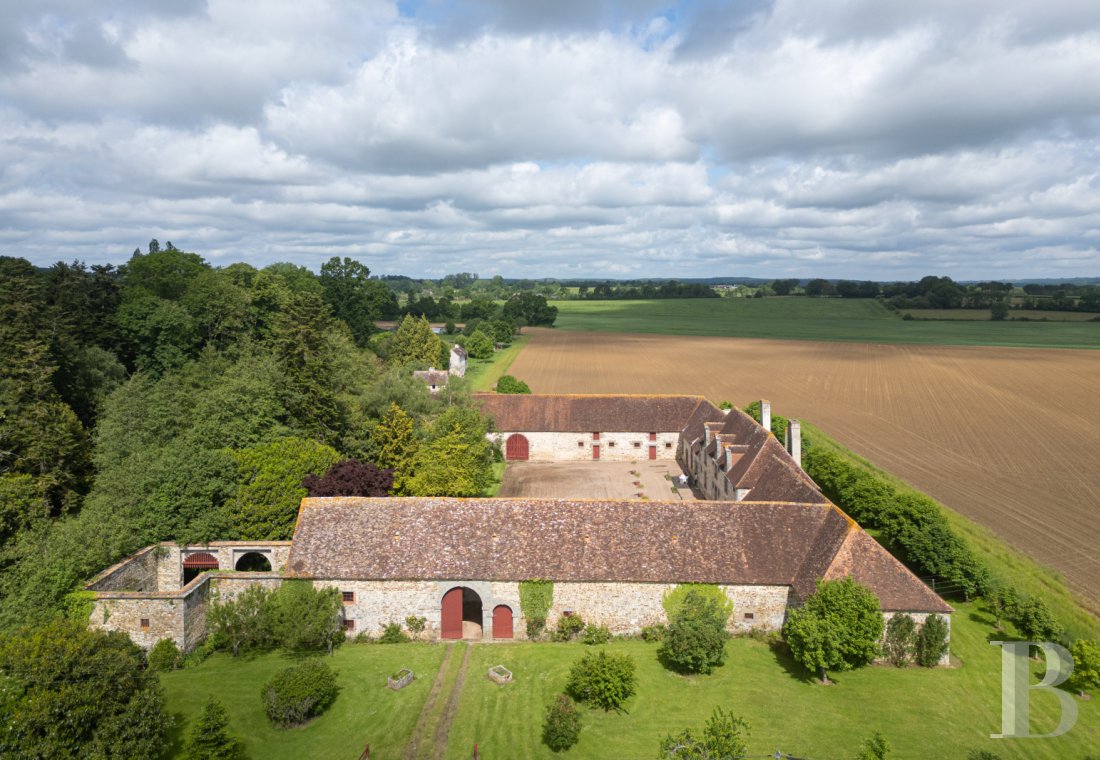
602 680
509 384
416 624
674 599
653 633
931 642
984 754
1036 621
306 618
901 638
596 634
297 694
695 640
535 599
563 724
210 737
350 477
535 627
875 747
721 738
392 634
568 627
164 655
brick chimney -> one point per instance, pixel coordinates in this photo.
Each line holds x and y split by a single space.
765 414
794 441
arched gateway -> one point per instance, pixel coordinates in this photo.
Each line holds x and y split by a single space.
461 614
517 448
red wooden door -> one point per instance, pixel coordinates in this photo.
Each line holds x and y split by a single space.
502 622
652 451
516 448
450 624
595 451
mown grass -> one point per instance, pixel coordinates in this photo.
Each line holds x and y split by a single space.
364 712
797 318
482 374
944 712
1007 564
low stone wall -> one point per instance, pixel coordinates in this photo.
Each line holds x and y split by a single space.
227 553
135 573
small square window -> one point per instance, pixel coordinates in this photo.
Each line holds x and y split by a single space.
750 615
637 444
668 444
349 625
580 444
145 624
610 444
348 596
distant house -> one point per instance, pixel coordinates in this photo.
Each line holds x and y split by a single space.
435 378
458 360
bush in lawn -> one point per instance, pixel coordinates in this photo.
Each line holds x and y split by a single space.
306 618
563 724
392 634
596 634
875 747
720 738
297 694
695 640
1086 666
568 627
931 641
416 625
602 680
653 633
164 655
674 599
901 638
509 384
535 627
837 628
1036 621
210 737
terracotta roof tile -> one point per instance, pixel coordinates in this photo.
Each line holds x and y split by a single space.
588 414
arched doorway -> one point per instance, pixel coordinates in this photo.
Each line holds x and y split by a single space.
516 448
253 562
461 615
196 563
502 622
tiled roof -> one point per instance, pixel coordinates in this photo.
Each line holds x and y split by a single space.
593 540
591 414
458 350
432 376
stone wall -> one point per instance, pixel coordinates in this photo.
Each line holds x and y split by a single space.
135 573
125 611
577 447
227 553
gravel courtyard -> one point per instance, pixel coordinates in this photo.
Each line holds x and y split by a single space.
593 480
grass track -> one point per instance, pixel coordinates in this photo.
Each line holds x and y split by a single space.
796 318
482 374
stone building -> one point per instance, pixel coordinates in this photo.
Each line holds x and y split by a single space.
457 364
434 378
763 532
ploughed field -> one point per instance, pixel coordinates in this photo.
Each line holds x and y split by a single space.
1009 437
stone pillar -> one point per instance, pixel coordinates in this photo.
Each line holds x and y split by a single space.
794 441
765 414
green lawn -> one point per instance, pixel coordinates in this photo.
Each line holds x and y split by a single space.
365 710
482 374
853 320
924 713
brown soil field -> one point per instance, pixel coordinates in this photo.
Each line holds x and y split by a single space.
1009 437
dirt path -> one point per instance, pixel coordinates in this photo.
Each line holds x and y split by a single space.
412 749
443 730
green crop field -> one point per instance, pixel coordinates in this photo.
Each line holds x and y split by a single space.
796 318
943 712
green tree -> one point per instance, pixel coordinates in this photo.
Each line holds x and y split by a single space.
457 460
931 643
415 343
838 627
1086 666
210 737
998 311
722 738
245 622
354 297
901 639
307 618
269 490
562 727
479 345
531 308
22 505
67 691
695 640
1037 622
394 445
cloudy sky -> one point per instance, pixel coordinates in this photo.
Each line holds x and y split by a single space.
841 138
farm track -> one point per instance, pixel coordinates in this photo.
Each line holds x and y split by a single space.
1008 437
